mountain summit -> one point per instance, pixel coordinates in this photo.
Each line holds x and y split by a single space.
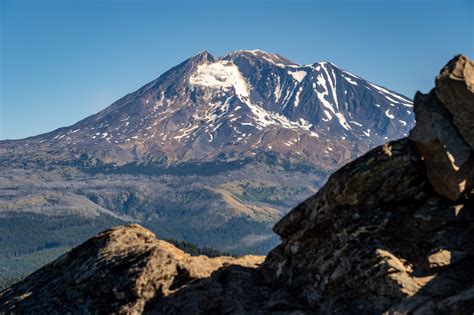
246 103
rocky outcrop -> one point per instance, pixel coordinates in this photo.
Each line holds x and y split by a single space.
117 271
390 232
444 133
376 236
454 87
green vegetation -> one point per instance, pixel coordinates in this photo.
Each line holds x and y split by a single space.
271 194
28 241
194 250
184 169
18 268
263 191
217 237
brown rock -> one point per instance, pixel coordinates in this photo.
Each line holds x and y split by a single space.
455 89
377 237
448 159
444 129
118 271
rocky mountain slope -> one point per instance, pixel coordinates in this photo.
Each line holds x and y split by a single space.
384 234
213 152
244 104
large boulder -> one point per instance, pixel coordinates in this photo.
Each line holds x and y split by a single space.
455 88
444 133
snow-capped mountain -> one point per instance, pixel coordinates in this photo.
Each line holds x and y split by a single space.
239 105
214 152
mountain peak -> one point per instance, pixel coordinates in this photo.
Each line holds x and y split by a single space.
203 56
237 103
259 54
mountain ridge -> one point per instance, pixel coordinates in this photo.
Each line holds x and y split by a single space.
244 96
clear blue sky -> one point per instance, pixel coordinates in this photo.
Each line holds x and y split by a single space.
64 60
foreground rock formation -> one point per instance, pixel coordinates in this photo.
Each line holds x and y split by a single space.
389 232
444 133
119 270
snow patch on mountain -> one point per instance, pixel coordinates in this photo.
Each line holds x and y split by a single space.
387 113
349 80
220 75
298 75
277 91
297 97
343 121
400 100
332 84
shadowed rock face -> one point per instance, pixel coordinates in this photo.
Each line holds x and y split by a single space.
375 237
384 234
